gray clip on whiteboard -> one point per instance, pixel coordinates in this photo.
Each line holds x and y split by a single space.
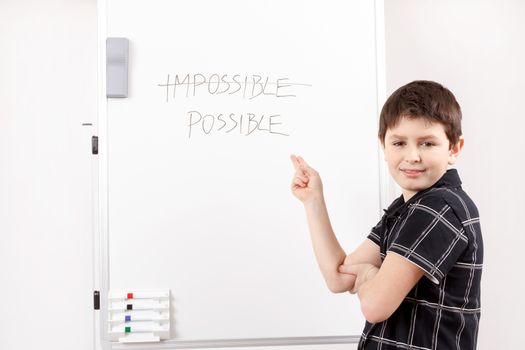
117 50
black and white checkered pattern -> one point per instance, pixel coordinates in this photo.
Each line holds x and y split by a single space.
437 229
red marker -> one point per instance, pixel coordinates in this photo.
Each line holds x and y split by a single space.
130 295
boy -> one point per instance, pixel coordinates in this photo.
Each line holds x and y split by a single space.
417 275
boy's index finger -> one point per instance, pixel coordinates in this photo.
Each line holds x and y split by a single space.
295 162
300 165
303 164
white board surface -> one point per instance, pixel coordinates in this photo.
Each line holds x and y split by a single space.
204 208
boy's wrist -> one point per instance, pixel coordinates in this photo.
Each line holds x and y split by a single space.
314 201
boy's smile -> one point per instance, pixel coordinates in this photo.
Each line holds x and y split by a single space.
418 154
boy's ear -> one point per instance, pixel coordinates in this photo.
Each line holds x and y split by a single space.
456 150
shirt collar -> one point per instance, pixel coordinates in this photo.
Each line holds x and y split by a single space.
449 180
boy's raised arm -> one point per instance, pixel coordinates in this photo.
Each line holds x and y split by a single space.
308 188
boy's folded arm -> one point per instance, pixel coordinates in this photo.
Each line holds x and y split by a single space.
381 295
366 253
328 252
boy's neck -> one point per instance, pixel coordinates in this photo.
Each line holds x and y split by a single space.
408 194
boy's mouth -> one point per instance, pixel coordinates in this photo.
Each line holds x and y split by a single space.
412 172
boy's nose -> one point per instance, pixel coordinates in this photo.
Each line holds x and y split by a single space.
412 156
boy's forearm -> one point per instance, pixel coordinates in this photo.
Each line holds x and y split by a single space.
328 251
369 294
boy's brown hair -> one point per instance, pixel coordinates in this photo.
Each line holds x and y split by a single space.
422 99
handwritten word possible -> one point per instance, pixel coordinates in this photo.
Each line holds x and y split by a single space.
244 124
244 86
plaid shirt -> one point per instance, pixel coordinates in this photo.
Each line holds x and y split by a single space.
437 229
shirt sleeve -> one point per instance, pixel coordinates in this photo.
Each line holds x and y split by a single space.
430 236
375 233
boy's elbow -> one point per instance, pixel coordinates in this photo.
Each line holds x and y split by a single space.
336 288
337 285
374 311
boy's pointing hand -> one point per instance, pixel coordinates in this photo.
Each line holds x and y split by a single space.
306 183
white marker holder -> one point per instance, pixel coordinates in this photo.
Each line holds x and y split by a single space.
138 316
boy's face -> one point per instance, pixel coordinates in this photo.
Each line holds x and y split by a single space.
418 154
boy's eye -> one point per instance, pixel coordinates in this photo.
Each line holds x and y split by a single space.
402 143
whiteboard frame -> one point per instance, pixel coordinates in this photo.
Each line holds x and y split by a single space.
388 191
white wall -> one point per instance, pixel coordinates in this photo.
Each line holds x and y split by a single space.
477 49
48 80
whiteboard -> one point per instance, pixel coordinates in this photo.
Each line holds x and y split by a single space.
194 164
